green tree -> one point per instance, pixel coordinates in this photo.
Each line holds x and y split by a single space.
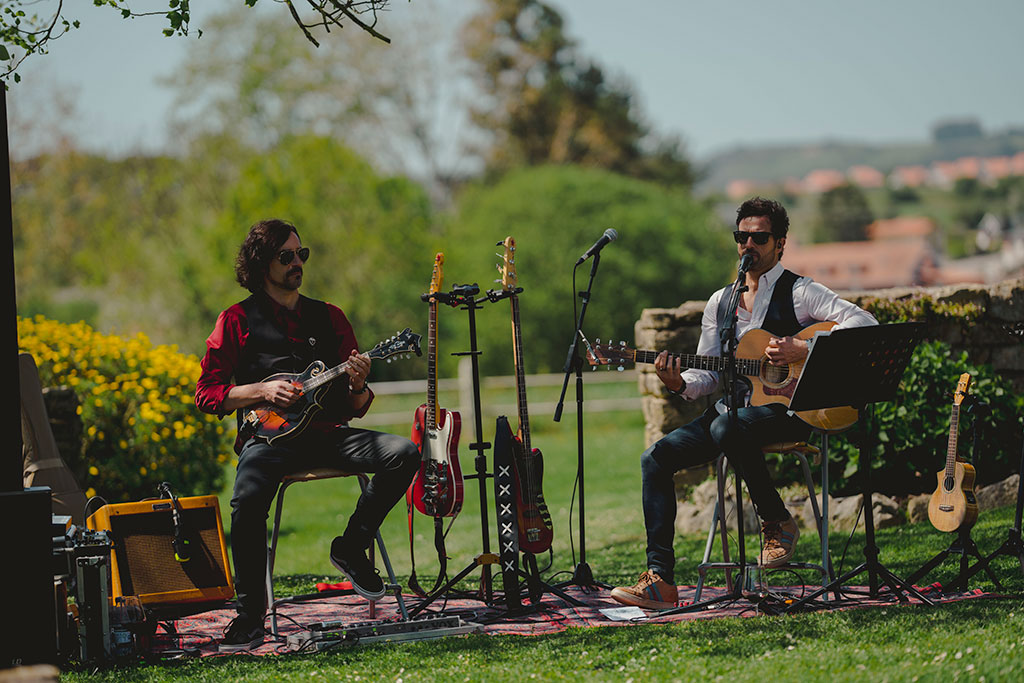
843 215
670 249
368 234
544 103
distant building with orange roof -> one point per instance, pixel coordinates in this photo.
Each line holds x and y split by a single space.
741 189
994 168
901 227
865 176
822 180
873 264
909 176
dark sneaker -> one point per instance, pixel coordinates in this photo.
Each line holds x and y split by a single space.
650 592
779 542
243 633
354 565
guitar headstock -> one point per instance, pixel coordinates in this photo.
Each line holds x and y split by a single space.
437 276
610 354
961 388
508 264
403 342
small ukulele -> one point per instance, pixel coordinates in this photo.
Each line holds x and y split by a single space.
535 528
953 505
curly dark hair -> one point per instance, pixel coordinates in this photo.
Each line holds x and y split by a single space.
770 209
264 240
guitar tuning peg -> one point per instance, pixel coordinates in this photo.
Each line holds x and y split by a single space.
593 368
621 368
622 343
597 341
389 360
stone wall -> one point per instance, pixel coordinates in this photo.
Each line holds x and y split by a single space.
988 338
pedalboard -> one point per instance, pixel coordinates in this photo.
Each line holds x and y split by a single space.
331 634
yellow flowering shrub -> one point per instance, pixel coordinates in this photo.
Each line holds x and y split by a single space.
141 426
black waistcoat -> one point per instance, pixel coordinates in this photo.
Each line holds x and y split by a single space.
780 319
269 350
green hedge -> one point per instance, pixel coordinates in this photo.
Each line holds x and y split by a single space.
141 426
909 435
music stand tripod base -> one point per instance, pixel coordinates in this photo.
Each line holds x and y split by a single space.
857 367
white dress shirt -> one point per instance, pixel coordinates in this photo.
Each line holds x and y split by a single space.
813 302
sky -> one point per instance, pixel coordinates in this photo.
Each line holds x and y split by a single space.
716 74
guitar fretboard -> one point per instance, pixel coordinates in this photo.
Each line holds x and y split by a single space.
431 416
745 366
951 449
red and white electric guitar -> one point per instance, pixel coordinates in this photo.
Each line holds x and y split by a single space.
535 528
437 488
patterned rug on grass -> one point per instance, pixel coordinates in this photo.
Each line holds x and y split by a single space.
198 635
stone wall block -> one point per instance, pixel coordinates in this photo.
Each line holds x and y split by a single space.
1007 302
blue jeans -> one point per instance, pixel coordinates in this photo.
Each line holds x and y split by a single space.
392 459
698 443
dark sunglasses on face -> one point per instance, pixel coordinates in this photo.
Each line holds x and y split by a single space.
760 238
288 255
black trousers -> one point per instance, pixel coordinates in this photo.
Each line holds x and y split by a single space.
698 443
391 459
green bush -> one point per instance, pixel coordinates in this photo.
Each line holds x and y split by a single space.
136 404
909 435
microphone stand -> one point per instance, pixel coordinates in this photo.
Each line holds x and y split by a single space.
582 575
729 343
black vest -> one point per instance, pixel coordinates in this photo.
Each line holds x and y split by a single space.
780 318
269 350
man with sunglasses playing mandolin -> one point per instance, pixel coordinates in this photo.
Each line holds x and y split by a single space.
783 304
277 330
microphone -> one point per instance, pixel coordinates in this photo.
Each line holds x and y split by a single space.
610 235
745 263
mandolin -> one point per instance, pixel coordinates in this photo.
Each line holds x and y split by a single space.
437 487
769 383
953 505
271 423
535 528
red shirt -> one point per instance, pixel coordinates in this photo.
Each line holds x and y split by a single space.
224 349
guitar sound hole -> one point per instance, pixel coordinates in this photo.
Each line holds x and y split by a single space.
773 375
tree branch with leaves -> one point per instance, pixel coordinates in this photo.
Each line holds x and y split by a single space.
27 27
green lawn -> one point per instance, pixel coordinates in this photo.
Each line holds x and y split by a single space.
982 639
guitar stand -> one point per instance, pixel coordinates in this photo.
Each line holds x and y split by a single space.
465 296
962 545
1012 546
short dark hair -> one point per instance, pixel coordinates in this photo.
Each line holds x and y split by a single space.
770 209
264 240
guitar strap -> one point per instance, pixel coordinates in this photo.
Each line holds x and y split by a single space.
442 554
505 501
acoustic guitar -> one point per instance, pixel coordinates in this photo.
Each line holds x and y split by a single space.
769 383
535 528
271 423
953 504
437 488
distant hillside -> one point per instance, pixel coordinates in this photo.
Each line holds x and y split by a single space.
776 163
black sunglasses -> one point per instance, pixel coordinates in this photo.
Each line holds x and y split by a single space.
288 255
759 237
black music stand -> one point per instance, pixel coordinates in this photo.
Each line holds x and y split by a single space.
857 367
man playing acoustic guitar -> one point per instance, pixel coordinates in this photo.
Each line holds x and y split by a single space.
277 330
783 304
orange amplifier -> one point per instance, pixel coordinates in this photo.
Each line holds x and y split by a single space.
144 561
